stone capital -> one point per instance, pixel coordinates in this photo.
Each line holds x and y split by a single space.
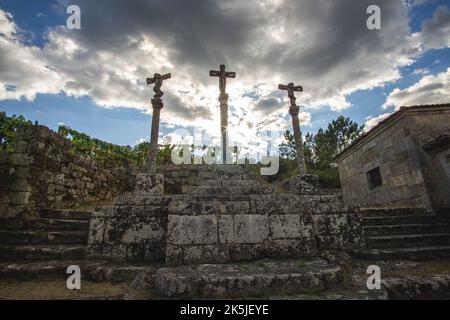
294 110
157 104
223 98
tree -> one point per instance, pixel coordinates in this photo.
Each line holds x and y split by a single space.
321 148
328 143
8 129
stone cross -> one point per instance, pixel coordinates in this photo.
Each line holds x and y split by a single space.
157 104
223 99
294 111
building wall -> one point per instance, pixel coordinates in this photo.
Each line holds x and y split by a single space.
394 151
411 177
434 164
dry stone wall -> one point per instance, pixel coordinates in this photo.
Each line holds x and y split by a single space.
42 172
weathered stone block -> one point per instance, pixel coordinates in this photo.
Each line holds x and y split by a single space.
205 254
304 184
288 226
174 255
149 184
247 252
291 248
251 228
226 229
184 230
145 231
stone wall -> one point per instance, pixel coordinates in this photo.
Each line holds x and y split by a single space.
394 151
257 227
201 230
219 225
43 172
132 231
411 177
134 228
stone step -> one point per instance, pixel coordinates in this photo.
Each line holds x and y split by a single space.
430 287
66 214
150 201
394 212
329 208
97 271
224 182
413 253
44 269
45 237
235 205
227 190
406 229
401 220
410 240
256 279
59 224
42 252
328 198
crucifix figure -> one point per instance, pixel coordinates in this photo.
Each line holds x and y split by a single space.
157 104
223 99
294 111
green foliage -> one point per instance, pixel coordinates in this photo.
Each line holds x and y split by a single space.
164 154
111 155
8 129
106 153
321 149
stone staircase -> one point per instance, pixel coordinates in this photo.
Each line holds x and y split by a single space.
226 181
45 244
404 233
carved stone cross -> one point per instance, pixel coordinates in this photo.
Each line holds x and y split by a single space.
290 88
158 81
294 111
223 75
157 104
223 99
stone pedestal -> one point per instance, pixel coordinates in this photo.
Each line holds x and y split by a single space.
304 184
148 184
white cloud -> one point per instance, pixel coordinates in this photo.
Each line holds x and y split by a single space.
265 42
431 89
373 121
24 72
421 71
7 26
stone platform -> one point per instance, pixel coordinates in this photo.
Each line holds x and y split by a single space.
217 214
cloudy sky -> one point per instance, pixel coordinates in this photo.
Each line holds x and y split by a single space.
93 79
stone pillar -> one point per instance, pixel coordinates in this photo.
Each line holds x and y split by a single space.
294 111
153 152
223 99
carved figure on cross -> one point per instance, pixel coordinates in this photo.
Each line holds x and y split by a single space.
158 81
291 88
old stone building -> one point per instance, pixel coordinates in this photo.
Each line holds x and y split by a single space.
404 161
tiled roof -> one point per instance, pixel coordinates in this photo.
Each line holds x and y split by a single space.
393 116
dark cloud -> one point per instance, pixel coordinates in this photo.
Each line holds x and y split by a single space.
436 32
323 45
